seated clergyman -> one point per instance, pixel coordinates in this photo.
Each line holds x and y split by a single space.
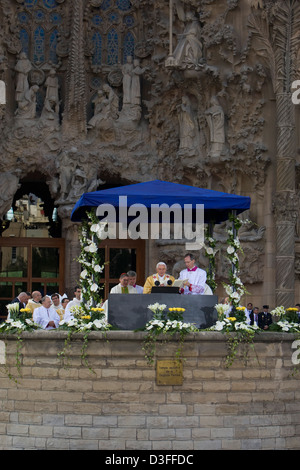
123 287
160 278
46 315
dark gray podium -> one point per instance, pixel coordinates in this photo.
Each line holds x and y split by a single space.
130 311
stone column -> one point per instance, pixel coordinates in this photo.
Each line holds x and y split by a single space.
285 200
72 249
74 118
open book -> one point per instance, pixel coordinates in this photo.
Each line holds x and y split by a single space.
179 282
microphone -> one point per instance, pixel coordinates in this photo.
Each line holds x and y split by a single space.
169 282
157 283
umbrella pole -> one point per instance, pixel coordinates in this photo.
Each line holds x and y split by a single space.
234 230
93 277
210 234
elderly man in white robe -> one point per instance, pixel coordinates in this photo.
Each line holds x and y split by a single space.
46 315
160 278
195 278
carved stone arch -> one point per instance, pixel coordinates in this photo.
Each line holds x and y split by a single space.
36 183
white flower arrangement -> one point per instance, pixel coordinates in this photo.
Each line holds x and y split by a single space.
157 307
210 253
170 324
289 327
222 309
235 289
91 232
80 325
230 324
18 320
13 309
278 311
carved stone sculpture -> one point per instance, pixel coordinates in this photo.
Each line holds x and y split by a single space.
106 112
127 70
9 183
52 89
27 106
188 52
136 83
188 127
2 92
216 123
23 67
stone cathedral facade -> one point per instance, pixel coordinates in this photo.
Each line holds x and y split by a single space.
113 92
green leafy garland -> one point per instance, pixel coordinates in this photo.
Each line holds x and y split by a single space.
235 289
89 315
18 320
90 260
210 253
168 323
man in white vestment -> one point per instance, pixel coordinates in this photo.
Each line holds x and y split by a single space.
123 287
75 302
46 315
132 282
35 301
196 278
56 302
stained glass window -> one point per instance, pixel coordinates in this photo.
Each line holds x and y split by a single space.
24 38
53 44
124 5
23 17
128 20
50 3
112 19
55 18
30 3
39 16
106 4
128 48
39 45
97 20
112 47
97 46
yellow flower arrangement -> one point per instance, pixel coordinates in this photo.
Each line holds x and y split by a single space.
292 309
86 317
231 318
241 308
176 309
25 310
97 309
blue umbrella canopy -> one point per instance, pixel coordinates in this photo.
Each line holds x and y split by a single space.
217 205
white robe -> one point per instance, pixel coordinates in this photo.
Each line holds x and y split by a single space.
197 280
139 289
118 290
42 316
69 315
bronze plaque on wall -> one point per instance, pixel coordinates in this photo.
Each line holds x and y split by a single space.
169 373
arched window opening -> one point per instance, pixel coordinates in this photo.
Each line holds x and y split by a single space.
32 214
38 41
113 22
39 45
